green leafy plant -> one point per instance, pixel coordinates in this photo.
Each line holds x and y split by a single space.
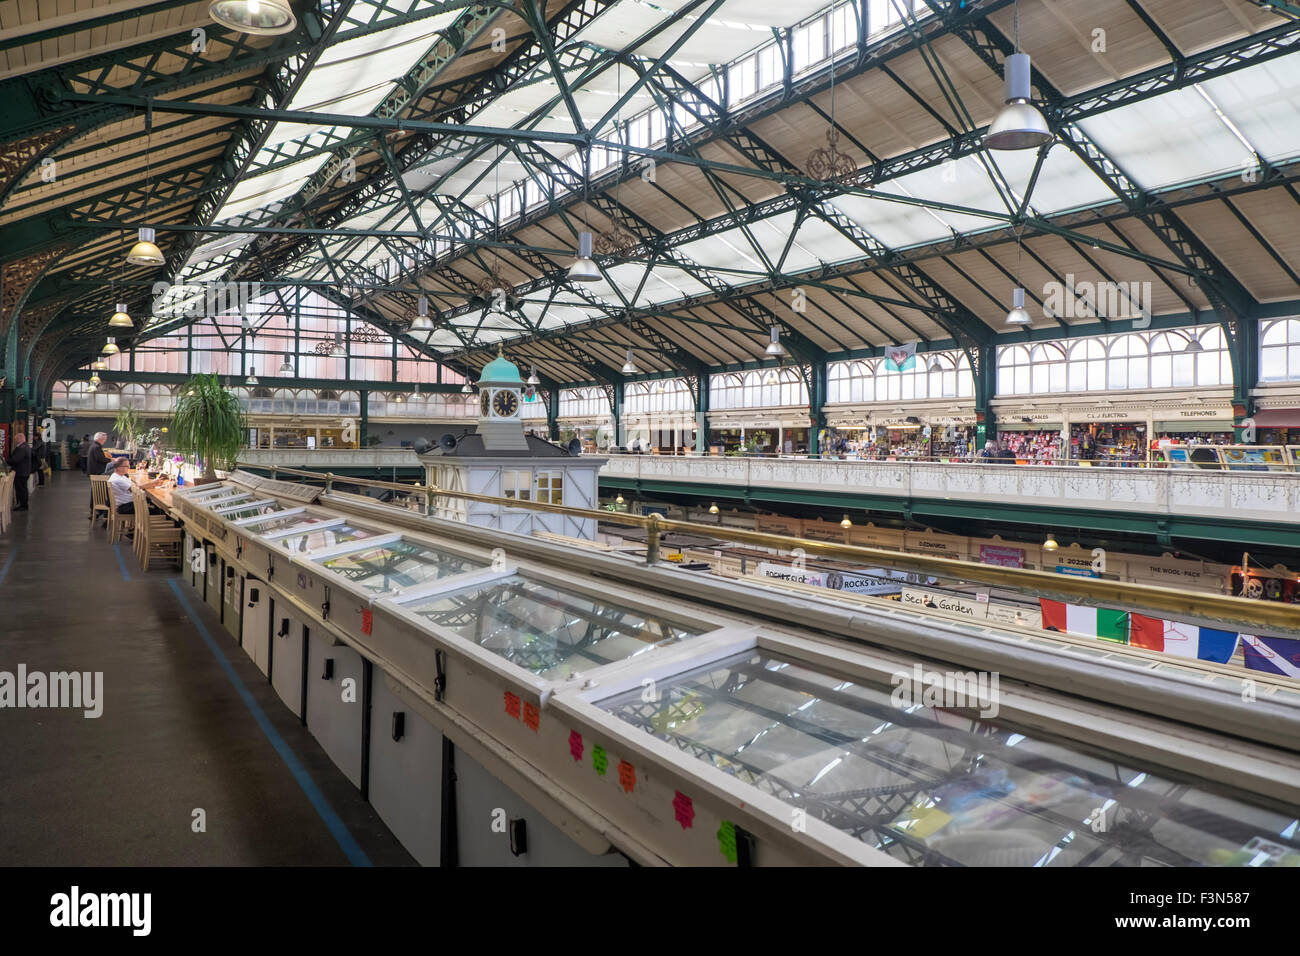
209 423
129 425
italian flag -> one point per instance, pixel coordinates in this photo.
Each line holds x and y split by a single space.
1182 640
1088 621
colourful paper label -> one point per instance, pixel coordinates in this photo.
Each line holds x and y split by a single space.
532 716
512 705
627 776
727 840
598 759
575 745
684 809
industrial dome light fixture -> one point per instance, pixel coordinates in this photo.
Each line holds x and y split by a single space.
286 367
934 365
260 17
629 367
145 252
713 508
1018 315
532 377
337 348
422 322
619 499
774 346
94 380
1018 125
98 365
845 523
1051 543
467 389
1193 344
252 376
584 268
120 319
110 347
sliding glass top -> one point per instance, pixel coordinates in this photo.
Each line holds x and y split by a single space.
283 523
308 540
934 788
545 630
251 510
400 564
225 497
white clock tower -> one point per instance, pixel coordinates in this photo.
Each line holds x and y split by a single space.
500 393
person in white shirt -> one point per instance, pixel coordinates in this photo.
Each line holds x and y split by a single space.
120 486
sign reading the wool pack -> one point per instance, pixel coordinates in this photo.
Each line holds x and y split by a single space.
1002 557
955 604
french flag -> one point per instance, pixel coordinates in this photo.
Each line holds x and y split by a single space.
1182 640
1276 655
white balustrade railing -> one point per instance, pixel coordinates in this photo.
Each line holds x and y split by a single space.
330 458
1243 496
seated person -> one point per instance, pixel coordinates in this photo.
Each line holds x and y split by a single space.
120 487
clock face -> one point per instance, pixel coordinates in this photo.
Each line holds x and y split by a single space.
486 401
505 403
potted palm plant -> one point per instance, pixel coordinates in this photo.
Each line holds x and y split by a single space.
129 425
208 423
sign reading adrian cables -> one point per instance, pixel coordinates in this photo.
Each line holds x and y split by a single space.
872 581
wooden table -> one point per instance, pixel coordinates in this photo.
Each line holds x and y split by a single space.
162 497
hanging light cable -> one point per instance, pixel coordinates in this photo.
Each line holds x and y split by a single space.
145 252
1019 124
1018 316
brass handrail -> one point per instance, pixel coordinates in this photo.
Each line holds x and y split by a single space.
1265 615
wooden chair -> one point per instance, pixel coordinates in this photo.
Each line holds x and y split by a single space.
99 503
119 525
155 535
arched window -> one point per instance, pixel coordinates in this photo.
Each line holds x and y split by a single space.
1172 366
1086 366
1279 359
1013 370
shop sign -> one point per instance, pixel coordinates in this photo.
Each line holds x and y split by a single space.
1196 413
1076 572
954 604
1036 417
1002 557
877 581
1023 616
945 547
784 572
1111 415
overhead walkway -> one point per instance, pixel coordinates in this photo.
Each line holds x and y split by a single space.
1260 508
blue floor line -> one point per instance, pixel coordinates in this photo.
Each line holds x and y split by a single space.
5 570
337 828
117 550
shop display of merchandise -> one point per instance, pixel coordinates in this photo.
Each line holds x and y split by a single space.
1035 447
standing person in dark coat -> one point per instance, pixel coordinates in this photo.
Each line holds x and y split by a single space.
21 461
39 453
97 461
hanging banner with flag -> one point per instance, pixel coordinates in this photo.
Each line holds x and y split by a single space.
900 358
1181 640
1276 655
1107 624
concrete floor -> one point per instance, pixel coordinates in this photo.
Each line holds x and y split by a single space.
177 732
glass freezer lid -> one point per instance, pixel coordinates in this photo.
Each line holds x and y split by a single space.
285 523
252 510
934 788
399 564
309 540
546 630
224 498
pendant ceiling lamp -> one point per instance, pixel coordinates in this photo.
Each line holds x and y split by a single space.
422 323
252 377
629 367
1019 124
94 380
934 365
467 389
110 347
774 347
286 367
1194 345
145 252
584 267
98 365
532 377
1051 543
261 17
337 349
120 319
770 378
1018 316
